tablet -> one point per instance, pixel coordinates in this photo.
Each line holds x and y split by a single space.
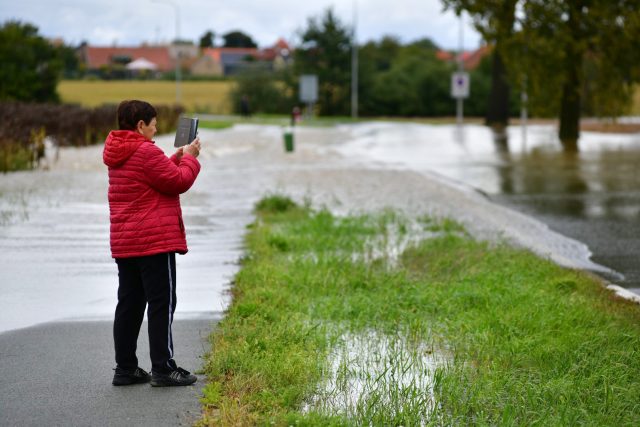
187 131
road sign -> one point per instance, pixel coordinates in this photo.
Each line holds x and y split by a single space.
308 88
460 85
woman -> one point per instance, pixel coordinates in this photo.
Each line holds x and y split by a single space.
146 232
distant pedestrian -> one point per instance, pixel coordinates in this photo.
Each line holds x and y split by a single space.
146 232
295 115
245 111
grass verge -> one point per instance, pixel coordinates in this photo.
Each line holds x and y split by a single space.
215 124
383 320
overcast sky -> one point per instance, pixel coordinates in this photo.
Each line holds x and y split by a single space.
126 22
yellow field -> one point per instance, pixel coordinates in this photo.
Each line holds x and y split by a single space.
204 97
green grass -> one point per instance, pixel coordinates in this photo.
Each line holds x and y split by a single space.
327 328
215 124
635 104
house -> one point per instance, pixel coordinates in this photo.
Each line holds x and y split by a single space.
226 61
98 58
161 58
470 58
230 60
207 65
113 61
280 54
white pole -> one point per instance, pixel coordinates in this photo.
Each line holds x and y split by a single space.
460 107
178 57
524 113
354 63
177 52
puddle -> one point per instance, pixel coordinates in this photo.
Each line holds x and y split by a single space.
388 246
401 233
371 375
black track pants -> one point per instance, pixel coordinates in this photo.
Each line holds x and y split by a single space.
145 280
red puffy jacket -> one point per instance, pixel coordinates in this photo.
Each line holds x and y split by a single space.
144 195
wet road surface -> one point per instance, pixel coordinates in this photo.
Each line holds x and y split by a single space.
592 196
59 374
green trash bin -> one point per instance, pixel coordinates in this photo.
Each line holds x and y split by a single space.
288 140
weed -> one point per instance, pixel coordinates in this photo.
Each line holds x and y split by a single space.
451 331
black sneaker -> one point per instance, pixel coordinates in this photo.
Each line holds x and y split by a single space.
177 377
130 376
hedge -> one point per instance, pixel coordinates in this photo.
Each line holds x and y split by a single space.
23 127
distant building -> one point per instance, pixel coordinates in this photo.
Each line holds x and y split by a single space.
227 61
470 58
207 65
113 61
96 58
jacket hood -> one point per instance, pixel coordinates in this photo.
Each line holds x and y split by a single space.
120 145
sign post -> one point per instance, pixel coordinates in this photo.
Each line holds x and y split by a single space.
309 91
459 91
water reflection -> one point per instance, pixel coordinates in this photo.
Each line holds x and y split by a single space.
586 184
592 195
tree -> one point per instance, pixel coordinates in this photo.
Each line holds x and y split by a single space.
415 84
380 55
263 90
238 39
571 37
566 50
70 62
373 59
494 19
326 52
31 67
207 39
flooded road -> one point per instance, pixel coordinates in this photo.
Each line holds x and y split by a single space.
54 240
592 196
54 224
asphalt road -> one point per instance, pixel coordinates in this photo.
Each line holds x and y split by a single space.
59 374
612 239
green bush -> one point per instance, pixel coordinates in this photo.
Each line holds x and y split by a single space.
264 91
275 204
68 125
31 66
14 157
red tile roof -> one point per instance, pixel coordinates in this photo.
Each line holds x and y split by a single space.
470 59
281 44
267 54
217 52
97 57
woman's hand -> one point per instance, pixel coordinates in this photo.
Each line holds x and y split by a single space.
179 154
193 148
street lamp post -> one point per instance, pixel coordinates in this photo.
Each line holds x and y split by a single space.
459 106
354 64
177 51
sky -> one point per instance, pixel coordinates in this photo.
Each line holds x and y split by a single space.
126 22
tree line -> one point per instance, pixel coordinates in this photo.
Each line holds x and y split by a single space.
571 57
394 78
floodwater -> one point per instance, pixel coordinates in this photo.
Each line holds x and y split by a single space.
54 241
54 224
592 196
397 374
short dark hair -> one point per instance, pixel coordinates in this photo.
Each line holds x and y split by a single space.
130 112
